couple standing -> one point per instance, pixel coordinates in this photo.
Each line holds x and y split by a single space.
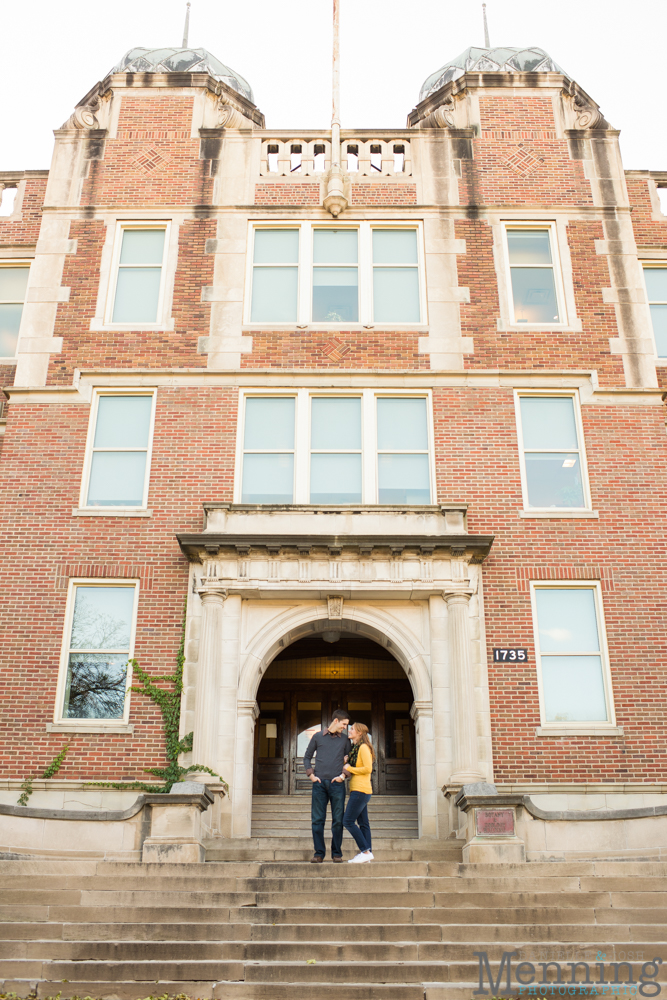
340 756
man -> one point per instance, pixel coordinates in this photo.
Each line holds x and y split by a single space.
332 746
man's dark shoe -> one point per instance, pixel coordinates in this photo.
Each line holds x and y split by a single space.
316 859
337 861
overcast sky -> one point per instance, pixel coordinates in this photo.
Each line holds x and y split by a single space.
54 52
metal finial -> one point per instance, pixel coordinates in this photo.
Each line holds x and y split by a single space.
186 29
487 43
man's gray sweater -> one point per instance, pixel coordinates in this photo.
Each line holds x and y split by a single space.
331 750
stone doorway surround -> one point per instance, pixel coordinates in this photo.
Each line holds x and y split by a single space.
408 578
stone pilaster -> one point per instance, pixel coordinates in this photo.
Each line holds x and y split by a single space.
206 727
464 729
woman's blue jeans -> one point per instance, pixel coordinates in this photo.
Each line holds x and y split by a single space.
357 810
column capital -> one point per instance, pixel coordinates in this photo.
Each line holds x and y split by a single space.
421 710
211 594
248 707
457 596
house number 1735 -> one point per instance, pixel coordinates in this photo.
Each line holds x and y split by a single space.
514 655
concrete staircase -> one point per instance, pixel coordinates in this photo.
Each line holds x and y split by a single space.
282 931
281 832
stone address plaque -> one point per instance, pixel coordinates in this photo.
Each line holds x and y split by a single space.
495 822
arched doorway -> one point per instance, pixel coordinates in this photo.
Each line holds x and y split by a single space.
301 688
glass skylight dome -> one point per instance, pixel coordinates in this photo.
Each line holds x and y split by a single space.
499 60
182 61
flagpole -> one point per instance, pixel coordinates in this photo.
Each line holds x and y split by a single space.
335 90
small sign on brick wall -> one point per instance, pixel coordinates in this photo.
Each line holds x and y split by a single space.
494 822
512 654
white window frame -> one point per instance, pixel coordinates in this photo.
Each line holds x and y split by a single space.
59 717
160 319
15 262
549 227
662 265
365 272
88 458
302 451
553 511
594 585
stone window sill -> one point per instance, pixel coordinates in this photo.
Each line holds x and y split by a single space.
659 362
97 325
599 731
559 513
539 327
82 728
335 327
109 512
8 361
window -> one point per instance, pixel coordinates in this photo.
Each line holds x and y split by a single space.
275 275
656 288
138 289
334 274
13 283
119 447
535 291
553 465
335 449
395 288
574 680
99 639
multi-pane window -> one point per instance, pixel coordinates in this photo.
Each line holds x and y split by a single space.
139 274
275 278
335 449
403 459
552 453
98 645
116 473
395 276
315 273
268 450
656 287
569 632
335 276
13 283
534 286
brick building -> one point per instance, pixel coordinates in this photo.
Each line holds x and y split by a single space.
396 445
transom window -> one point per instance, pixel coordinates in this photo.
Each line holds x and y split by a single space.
137 286
575 684
116 470
99 641
334 274
13 284
551 447
656 288
534 287
335 449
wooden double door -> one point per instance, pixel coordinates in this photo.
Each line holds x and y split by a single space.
291 711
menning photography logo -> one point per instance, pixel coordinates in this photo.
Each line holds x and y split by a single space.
577 978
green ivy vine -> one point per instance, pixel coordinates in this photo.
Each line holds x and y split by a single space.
168 701
49 772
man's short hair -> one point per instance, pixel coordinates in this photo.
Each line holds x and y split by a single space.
340 715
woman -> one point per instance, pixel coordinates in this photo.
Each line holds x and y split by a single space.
360 766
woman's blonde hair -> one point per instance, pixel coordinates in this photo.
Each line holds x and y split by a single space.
361 728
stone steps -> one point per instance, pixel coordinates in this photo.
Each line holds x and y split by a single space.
249 930
391 816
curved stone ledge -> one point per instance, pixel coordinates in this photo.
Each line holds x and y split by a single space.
109 815
599 814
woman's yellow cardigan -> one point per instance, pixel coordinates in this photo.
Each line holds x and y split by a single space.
361 774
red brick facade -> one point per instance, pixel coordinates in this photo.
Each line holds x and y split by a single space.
153 168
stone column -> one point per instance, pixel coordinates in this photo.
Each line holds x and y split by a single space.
464 723
247 713
422 714
206 724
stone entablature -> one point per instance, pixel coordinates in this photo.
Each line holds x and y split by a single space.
383 550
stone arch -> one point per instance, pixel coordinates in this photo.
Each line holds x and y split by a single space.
311 620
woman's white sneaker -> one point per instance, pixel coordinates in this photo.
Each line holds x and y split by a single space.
360 859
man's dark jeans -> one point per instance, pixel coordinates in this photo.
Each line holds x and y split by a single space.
357 809
325 791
